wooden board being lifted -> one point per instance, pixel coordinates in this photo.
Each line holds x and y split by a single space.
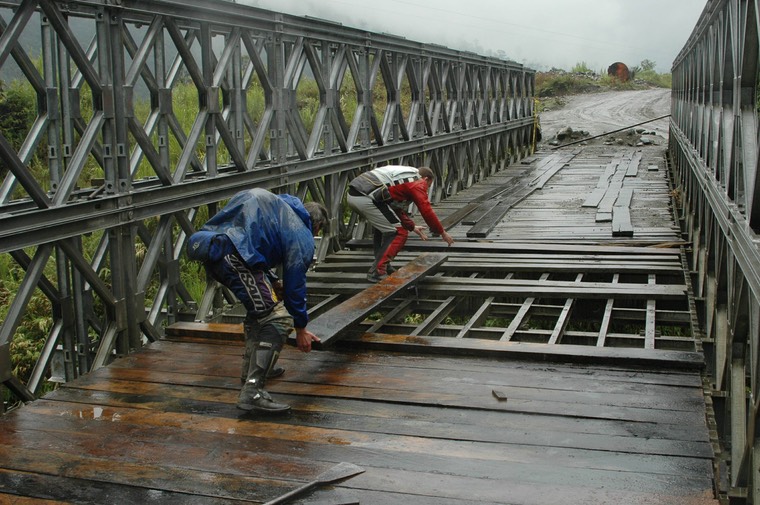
337 322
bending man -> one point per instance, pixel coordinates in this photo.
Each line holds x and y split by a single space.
255 232
382 196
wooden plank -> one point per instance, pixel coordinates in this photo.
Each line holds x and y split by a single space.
570 353
476 203
387 414
551 165
36 488
215 331
621 214
601 186
404 386
491 218
408 454
495 212
337 322
181 357
633 165
604 209
339 416
479 212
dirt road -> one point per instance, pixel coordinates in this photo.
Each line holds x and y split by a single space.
598 113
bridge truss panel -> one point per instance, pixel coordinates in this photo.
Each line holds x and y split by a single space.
145 116
714 149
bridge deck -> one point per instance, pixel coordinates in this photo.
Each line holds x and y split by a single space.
547 360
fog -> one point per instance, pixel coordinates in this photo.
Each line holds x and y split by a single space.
540 34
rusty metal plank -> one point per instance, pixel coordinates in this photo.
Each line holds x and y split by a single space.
336 322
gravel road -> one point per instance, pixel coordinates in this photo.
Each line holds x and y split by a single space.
599 113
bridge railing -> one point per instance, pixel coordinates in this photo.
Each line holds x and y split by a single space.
714 151
145 115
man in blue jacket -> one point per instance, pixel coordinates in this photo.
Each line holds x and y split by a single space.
254 233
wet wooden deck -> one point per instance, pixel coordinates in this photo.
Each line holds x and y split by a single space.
541 363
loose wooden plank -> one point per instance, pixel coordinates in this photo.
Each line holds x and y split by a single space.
215 331
621 215
633 165
551 166
491 213
463 213
491 218
479 212
336 323
601 186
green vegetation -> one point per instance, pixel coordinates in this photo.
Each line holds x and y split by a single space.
18 110
581 79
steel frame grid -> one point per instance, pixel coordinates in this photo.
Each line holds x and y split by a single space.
512 298
125 177
714 151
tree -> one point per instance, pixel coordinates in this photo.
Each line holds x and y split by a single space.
647 65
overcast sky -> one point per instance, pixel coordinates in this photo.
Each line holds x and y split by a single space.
537 33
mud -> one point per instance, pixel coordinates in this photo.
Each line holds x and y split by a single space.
599 113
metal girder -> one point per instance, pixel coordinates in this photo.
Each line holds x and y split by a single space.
714 148
149 112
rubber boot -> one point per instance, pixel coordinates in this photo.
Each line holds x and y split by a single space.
250 331
381 242
264 354
395 242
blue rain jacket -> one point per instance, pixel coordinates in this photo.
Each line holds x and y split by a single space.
266 230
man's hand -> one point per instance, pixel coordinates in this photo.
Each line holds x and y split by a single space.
420 230
304 338
447 238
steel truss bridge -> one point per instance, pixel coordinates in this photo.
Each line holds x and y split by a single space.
714 151
151 113
148 111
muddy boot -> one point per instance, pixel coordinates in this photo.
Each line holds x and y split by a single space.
251 330
264 353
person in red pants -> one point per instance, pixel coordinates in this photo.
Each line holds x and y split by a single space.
382 196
